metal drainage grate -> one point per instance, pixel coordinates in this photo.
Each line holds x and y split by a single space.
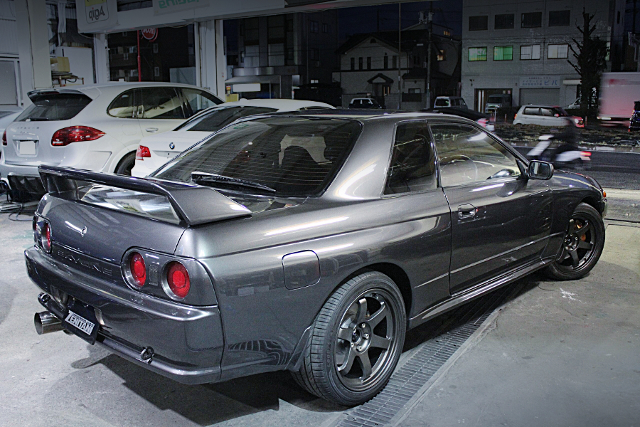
455 328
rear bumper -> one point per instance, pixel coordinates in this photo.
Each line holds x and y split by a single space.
187 341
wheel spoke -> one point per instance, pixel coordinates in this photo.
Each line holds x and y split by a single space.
575 260
365 364
380 342
347 364
345 334
362 310
377 317
586 226
584 245
572 227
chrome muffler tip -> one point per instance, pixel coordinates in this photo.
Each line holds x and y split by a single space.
45 322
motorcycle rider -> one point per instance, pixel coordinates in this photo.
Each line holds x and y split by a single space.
569 138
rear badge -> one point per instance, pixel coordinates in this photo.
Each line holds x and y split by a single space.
172 145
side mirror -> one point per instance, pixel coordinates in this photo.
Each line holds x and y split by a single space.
540 170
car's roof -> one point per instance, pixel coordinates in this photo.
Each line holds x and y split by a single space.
94 90
280 104
370 115
541 105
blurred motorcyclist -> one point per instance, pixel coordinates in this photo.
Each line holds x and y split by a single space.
569 138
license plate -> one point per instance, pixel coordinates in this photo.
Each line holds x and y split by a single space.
80 322
27 148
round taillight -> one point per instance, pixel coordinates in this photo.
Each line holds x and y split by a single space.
178 279
45 238
138 269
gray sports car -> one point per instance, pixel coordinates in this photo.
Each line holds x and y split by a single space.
306 242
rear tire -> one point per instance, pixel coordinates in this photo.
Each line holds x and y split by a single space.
126 164
355 342
582 246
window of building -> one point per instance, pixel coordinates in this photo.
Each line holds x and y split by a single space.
441 55
325 28
353 64
314 54
313 26
252 56
276 28
276 54
477 54
360 62
155 48
394 61
386 61
530 52
368 62
478 23
503 22
558 51
503 53
531 20
559 18
251 31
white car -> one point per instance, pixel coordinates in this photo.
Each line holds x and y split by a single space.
96 127
156 150
544 115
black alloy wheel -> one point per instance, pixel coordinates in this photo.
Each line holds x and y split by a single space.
582 245
356 341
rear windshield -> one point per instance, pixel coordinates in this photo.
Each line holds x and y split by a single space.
54 106
220 117
495 98
293 156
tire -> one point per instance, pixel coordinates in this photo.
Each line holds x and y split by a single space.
582 246
356 341
126 164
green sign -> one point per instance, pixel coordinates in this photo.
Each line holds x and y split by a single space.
161 7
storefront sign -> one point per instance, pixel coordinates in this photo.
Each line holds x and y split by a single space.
95 15
160 7
150 34
540 82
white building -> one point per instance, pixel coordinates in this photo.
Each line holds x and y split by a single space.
522 48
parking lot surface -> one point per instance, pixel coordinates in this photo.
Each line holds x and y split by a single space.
553 353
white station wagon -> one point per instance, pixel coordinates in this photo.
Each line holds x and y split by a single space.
96 127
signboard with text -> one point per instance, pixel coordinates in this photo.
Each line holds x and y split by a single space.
160 7
540 82
94 15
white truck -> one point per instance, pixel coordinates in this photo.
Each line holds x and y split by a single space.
618 92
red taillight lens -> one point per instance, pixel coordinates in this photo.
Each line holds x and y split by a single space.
142 152
178 279
4 137
45 238
138 269
66 136
585 153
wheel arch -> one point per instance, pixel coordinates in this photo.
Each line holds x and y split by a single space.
594 203
121 159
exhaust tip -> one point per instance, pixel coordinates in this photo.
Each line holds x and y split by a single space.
45 322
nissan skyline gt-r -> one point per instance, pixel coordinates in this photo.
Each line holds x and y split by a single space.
303 242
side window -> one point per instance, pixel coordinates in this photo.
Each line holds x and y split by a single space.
197 100
412 165
122 106
468 154
546 112
160 103
532 111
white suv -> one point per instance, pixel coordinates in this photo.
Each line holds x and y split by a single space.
95 127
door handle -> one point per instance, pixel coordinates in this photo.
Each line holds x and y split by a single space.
467 211
151 130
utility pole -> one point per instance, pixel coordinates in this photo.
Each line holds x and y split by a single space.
429 56
399 56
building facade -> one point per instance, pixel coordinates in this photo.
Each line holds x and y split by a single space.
522 48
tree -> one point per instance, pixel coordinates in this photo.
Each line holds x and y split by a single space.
590 61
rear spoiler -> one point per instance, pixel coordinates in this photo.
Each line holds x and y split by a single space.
194 204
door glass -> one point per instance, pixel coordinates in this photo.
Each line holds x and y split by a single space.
197 100
468 154
161 103
122 106
412 165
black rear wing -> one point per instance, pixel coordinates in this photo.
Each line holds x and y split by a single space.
194 204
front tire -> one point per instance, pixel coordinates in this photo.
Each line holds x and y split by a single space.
582 246
356 341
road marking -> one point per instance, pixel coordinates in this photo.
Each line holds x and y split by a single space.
622 194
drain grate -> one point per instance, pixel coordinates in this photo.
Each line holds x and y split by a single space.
453 330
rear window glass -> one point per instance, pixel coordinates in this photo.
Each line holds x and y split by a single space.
291 155
218 118
55 106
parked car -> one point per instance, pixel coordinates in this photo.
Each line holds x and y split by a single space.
303 242
497 101
544 115
95 127
634 123
6 117
156 150
449 101
480 118
364 103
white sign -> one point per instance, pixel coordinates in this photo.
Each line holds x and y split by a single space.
540 82
160 7
95 15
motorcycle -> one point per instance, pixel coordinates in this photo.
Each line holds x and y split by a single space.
561 157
